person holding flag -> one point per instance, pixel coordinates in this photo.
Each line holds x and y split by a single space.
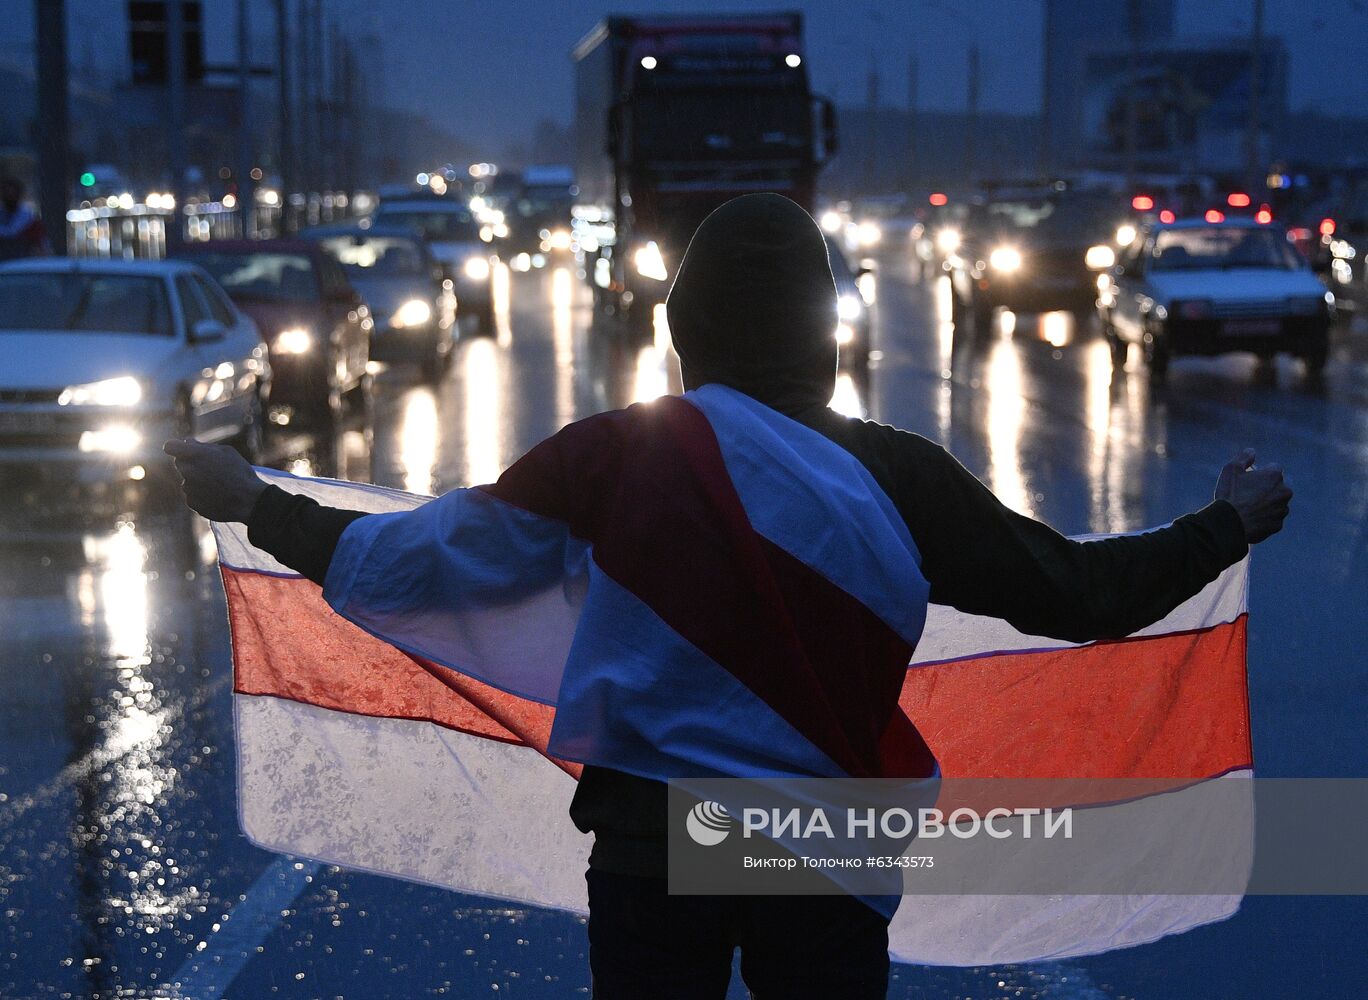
729 583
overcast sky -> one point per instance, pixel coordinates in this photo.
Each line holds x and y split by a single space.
489 69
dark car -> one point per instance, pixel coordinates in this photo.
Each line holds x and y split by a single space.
411 299
453 235
315 324
1032 252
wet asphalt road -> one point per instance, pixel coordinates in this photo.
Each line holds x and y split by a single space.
122 871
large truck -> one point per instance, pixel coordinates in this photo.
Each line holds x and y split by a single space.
674 116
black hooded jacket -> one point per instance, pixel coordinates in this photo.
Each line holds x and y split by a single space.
754 307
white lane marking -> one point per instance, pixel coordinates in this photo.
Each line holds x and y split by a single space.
208 971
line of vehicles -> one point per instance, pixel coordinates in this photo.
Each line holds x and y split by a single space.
1172 271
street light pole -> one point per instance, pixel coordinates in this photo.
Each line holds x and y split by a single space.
175 119
246 194
1253 167
286 147
54 172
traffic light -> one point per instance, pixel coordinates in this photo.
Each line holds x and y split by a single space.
87 180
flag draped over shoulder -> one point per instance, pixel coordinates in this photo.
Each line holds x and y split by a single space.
700 587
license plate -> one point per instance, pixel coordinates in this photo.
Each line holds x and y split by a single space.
1252 327
26 423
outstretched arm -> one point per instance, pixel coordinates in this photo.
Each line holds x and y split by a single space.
984 558
298 531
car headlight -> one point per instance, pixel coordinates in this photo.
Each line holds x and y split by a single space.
1005 259
831 221
118 439
559 239
1125 234
948 240
476 268
295 340
414 312
848 308
650 263
122 391
1100 257
845 334
869 233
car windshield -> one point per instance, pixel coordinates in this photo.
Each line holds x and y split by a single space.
446 225
1047 216
1222 247
377 256
268 277
95 303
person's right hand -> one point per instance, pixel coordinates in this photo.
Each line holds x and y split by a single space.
1259 495
218 482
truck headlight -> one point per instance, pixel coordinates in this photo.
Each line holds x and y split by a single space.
1005 259
1100 257
848 308
122 391
295 340
414 312
476 268
650 263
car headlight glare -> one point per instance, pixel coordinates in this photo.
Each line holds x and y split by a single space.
845 333
122 391
414 312
1100 257
650 263
476 268
948 240
848 308
295 340
559 239
118 439
869 233
1005 259
1125 234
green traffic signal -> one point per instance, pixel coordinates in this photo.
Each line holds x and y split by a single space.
87 179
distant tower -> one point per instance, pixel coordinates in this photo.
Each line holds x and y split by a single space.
1072 31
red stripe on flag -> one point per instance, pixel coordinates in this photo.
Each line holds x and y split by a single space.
1169 706
287 643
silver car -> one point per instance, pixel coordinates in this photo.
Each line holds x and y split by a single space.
102 361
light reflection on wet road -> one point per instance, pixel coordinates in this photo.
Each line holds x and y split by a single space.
121 866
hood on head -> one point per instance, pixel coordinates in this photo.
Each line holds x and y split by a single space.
754 304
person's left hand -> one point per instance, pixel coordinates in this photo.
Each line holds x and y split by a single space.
218 482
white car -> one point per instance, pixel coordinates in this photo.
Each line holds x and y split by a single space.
1212 285
102 361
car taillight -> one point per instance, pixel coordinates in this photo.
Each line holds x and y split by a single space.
1167 216
1237 199
1142 203
1214 215
1327 227
1264 215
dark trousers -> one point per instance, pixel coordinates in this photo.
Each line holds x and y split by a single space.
645 944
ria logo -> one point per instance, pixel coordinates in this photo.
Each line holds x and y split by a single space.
708 823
